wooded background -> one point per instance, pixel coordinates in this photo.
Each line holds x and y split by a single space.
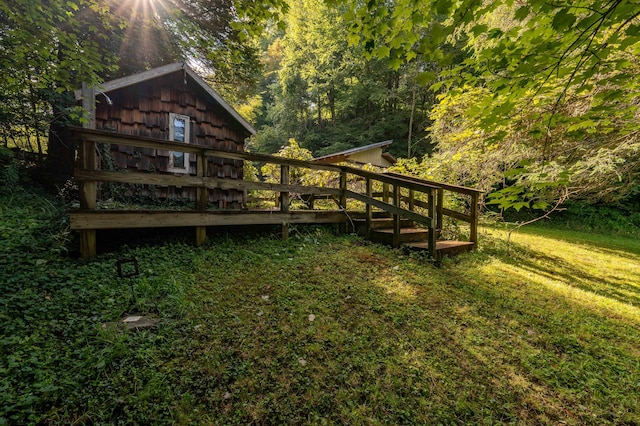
530 101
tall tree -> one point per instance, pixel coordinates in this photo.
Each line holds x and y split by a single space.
561 77
46 50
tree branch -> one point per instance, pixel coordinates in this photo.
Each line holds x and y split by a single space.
564 197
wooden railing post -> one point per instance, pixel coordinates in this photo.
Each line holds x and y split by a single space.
369 210
396 218
439 212
284 199
385 192
473 231
202 195
88 197
88 161
412 200
432 231
343 199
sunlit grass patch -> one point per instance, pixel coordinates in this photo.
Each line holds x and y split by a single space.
578 270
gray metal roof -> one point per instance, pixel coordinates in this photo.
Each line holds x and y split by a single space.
354 150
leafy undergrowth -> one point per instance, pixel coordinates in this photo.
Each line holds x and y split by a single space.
319 329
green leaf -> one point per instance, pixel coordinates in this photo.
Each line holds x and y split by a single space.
425 78
443 6
585 124
522 13
519 205
383 52
514 172
353 39
436 86
563 20
479 29
633 30
540 205
395 63
495 33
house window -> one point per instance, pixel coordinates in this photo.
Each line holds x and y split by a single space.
179 132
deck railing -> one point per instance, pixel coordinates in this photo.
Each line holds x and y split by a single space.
397 190
473 199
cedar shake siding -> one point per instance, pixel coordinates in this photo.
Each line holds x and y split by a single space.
144 108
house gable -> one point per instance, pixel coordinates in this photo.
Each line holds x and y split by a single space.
179 69
147 104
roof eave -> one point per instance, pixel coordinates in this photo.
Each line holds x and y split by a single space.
123 82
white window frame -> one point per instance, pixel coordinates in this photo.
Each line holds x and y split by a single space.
187 135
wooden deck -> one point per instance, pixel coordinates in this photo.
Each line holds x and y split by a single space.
388 208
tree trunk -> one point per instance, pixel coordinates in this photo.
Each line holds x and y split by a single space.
319 112
413 109
331 96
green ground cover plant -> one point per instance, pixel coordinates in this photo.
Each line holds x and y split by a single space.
319 329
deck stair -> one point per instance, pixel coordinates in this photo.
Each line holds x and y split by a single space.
408 235
412 237
444 247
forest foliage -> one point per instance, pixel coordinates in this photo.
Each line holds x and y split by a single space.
525 100
545 98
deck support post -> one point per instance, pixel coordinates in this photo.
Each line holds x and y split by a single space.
343 199
369 210
439 212
284 199
88 197
396 218
88 243
412 200
385 192
431 243
202 195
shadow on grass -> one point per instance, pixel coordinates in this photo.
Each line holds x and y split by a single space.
572 275
564 347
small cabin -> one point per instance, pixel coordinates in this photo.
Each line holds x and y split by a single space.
369 154
173 103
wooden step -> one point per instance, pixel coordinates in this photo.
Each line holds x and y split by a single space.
407 235
376 214
384 222
378 223
443 248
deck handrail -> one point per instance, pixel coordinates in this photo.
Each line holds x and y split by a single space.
99 136
474 193
449 187
88 174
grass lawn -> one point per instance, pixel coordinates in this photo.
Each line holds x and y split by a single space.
320 329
